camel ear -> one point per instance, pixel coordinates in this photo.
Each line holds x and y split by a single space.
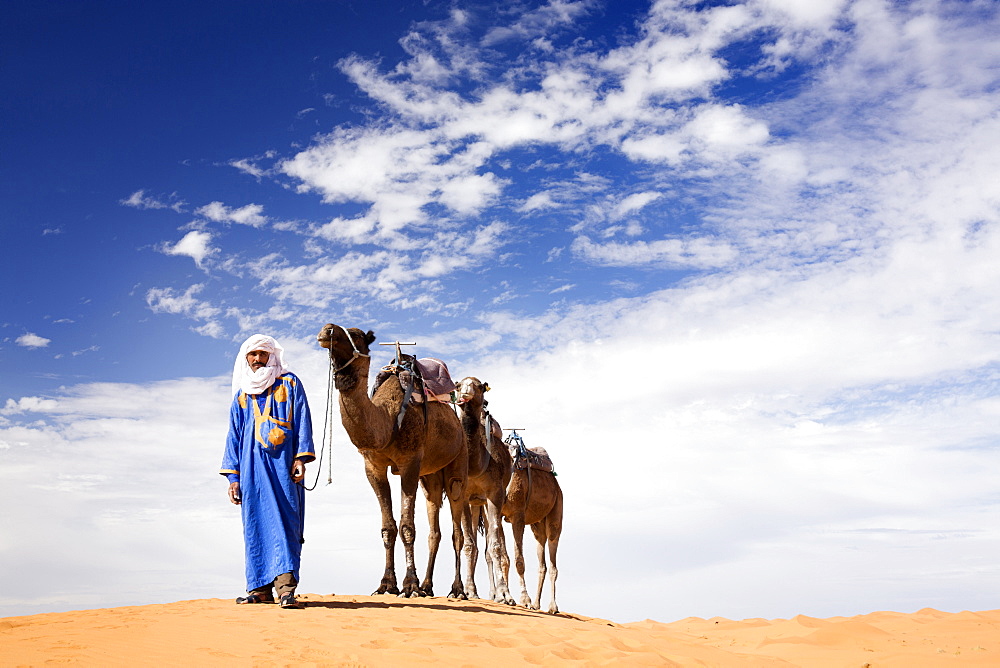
369 337
486 387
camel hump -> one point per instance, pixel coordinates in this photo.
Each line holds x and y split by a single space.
437 381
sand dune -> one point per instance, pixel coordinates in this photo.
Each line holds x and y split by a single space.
387 631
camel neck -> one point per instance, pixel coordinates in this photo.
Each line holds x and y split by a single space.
472 424
368 423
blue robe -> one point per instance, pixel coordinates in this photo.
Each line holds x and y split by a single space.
267 432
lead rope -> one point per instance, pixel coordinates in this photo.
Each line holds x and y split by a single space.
327 429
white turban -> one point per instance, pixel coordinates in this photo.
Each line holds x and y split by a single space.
255 382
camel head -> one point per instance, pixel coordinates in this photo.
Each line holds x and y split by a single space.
470 390
346 346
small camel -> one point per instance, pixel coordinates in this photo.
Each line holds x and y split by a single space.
489 474
533 498
426 441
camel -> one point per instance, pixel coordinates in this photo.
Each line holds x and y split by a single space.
534 498
489 473
413 442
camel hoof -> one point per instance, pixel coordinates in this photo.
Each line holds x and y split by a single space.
412 593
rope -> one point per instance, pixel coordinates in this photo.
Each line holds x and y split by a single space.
327 428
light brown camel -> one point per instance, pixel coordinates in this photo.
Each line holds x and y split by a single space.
489 473
425 441
534 498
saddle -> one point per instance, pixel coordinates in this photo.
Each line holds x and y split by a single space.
422 381
537 459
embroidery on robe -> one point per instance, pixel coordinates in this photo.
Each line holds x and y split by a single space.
270 431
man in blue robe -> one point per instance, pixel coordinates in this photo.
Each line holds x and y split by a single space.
269 443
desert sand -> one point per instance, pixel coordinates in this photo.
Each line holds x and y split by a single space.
388 631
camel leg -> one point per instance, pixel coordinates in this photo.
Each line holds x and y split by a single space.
496 553
454 476
553 529
487 550
504 557
517 529
553 571
379 480
491 564
408 479
458 508
470 520
433 494
538 528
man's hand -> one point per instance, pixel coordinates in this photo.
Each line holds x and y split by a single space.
298 470
234 493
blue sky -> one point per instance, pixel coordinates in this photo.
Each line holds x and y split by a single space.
732 264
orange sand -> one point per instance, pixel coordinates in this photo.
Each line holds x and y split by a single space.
387 631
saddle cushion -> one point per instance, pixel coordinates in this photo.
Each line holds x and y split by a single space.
538 458
437 381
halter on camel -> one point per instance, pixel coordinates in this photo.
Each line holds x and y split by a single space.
328 411
459 398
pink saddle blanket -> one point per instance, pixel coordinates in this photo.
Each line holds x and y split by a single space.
437 381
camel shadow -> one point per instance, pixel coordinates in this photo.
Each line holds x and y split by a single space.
401 603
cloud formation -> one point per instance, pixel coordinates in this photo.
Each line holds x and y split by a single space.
196 245
31 340
140 200
251 214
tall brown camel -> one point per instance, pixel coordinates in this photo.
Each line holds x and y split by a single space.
534 498
426 441
489 473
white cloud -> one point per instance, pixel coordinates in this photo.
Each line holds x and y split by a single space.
251 214
807 13
727 129
30 340
634 202
29 404
436 147
541 21
168 300
248 167
696 253
140 200
399 171
196 244
389 276
538 202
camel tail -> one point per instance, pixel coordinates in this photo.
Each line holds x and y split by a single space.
482 523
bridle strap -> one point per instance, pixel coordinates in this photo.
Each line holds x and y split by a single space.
357 353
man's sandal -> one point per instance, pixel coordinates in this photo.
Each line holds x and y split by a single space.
288 601
253 598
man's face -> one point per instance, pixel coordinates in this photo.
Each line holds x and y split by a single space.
257 358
